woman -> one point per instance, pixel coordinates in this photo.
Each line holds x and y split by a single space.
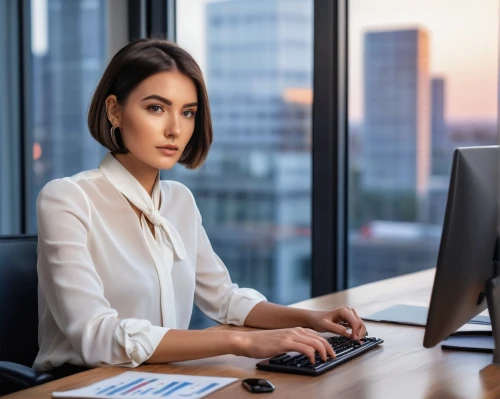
123 255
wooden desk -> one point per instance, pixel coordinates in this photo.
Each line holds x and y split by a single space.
401 368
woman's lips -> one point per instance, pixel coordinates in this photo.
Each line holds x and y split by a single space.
168 151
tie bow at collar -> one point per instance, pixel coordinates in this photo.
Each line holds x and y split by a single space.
155 218
128 185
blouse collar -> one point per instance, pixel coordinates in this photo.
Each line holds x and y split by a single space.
128 185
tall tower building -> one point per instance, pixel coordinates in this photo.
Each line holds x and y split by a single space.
438 115
442 151
397 111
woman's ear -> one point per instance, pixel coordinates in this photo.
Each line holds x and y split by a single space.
113 110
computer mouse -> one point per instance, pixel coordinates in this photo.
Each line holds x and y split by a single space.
257 385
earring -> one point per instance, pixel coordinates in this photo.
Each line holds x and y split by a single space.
112 133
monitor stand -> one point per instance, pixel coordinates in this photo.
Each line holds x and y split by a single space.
484 341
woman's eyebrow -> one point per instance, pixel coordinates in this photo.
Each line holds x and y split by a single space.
167 101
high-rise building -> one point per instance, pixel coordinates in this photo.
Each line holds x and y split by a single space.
254 192
441 152
397 117
438 114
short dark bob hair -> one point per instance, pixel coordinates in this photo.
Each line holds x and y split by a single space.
135 62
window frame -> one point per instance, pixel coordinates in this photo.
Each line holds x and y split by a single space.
26 121
148 18
330 144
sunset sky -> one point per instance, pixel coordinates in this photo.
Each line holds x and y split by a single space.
463 49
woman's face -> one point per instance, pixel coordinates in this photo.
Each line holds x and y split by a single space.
157 119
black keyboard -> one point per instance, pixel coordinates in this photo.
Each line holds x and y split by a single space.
297 363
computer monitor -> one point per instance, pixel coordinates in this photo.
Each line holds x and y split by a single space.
468 252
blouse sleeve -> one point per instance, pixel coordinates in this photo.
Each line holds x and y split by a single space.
215 294
73 289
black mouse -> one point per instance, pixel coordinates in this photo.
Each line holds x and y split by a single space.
257 385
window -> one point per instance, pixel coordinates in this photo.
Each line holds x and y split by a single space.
69 51
423 81
257 60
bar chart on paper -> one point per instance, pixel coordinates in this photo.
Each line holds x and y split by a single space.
132 384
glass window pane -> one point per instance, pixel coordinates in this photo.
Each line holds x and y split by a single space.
254 192
10 175
423 81
69 54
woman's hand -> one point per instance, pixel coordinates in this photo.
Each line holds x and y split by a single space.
329 322
270 343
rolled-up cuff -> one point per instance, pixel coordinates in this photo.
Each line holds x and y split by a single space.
242 302
139 339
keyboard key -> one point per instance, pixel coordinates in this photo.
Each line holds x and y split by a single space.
280 359
340 353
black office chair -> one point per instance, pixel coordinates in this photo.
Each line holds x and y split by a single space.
18 314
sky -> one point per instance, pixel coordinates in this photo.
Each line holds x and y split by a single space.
464 43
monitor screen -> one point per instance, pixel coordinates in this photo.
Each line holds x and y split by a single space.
466 252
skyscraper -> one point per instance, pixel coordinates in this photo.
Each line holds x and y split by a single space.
397 111
442 153
438 114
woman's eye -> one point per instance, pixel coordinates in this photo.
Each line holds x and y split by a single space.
155 108
189 113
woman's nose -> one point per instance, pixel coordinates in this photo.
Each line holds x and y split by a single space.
174 128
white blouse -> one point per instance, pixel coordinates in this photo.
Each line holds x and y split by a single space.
108 289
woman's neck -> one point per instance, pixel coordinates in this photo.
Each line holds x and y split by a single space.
144 173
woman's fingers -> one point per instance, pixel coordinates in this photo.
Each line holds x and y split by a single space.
361 333
305 350
347 315
329 350
313 342
339 329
